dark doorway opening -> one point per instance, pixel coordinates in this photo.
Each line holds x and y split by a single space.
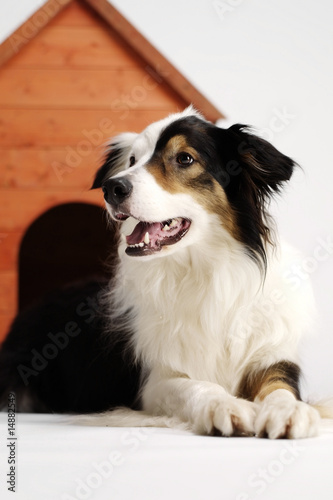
68 243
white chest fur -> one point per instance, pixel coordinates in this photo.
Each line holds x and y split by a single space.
207 314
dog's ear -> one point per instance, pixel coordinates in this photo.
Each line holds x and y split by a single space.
116 158
251 170
260 162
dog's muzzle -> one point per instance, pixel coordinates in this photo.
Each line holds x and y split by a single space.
148 236
117 190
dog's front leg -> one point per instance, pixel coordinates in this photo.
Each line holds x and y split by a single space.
206 406
281 413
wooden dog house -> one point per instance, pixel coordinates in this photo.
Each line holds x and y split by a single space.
73 75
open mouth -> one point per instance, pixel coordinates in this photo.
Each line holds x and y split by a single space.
150 237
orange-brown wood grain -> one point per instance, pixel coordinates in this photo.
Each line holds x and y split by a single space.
30 28
24 128
75 14
81 88
134 39
19 208
155 59
9 247
68 47
58 169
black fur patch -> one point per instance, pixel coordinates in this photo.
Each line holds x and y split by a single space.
111 162
283 371
61 356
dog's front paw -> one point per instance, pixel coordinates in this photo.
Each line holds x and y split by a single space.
226 416
282 416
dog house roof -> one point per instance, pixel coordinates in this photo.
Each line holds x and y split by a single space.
157 63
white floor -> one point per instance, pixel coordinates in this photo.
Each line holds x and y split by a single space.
56 461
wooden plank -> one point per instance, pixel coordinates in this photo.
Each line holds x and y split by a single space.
159 64
28 30
8 279
81 88
68 47
8 290
9 245
76 13
18 208
49 168
25 128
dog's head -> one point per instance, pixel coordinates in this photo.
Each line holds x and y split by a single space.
182 179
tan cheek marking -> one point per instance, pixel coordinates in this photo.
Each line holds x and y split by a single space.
219 205
184 181
259 384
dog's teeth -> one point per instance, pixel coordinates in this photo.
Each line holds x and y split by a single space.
146 238
170 224
137 245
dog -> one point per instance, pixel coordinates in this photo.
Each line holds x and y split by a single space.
201 321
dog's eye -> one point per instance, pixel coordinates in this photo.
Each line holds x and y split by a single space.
184 159
132 161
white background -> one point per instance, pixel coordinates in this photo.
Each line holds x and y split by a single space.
257 60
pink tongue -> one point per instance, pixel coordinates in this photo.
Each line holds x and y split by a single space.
141 229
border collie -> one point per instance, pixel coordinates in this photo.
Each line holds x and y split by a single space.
200 323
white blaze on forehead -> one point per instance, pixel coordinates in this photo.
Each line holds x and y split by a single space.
142 145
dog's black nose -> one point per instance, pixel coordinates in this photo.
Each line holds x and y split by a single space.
117 190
